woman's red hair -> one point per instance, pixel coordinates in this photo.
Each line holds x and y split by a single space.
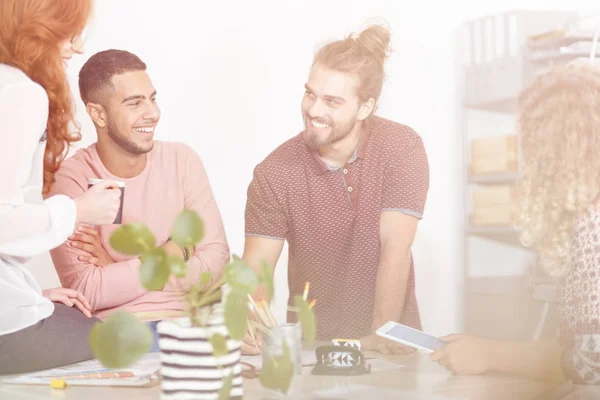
31 32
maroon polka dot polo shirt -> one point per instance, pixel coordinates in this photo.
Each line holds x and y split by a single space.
330 218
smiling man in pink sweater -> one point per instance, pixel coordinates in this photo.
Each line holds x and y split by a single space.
161 179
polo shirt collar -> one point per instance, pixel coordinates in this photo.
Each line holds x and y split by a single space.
360 152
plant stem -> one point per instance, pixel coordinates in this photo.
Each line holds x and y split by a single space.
216 286
212 289
204 300
193 316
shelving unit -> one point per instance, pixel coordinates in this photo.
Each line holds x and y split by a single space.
502 54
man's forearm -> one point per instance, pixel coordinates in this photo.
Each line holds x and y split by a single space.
535 359
259 251
110 286
390 292
261 292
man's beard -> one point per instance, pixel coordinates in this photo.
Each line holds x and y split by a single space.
126 144
336 134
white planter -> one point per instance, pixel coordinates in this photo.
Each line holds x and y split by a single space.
189 369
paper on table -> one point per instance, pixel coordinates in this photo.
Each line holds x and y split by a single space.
361 392
147 365
93 373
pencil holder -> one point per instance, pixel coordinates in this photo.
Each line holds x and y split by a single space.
273 344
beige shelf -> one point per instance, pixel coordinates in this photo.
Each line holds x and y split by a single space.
491 179
503 234
507 106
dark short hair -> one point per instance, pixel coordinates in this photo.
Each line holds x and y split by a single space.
97 72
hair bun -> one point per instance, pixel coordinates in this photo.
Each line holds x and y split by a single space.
376 40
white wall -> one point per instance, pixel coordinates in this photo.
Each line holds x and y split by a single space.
230 79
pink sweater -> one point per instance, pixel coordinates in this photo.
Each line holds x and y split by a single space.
174 179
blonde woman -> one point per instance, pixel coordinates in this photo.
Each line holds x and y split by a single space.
559 132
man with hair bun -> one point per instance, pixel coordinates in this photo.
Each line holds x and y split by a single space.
347 194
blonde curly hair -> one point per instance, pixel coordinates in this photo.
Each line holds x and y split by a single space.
559 134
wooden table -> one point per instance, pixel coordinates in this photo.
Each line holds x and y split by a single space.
419 375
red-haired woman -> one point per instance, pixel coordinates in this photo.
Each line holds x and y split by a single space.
40 329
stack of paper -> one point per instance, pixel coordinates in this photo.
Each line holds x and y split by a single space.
557 46
92 373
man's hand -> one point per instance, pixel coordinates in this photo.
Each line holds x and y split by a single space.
69 297
172 249
464 355
88 239
384 346
250 346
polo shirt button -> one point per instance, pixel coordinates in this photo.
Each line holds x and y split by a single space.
345 171
350 188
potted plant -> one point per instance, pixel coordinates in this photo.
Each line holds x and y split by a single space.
200 354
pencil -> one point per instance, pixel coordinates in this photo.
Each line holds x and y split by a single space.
270 315
258 312
265 316
255 312
253 337
306 287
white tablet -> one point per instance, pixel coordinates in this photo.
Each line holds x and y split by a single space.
409 336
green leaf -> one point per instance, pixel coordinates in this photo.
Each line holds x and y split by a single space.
307 319
236 257
188 229
241 277
205 277
266 277
226 388
236 314
219 344
278 371
132 239
177 266
154 271
120 340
